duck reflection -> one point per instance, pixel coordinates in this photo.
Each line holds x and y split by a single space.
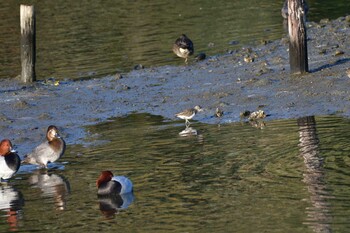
11 203
51 185
111 204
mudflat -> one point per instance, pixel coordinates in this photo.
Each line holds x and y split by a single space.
249 78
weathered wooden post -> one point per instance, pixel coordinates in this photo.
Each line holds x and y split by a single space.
298 58
28 44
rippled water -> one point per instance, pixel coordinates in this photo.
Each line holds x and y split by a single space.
289 176
82 39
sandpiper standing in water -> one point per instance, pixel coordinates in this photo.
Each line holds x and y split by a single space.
189 114
183 47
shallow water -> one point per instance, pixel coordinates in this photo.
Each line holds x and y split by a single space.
288 176
88 39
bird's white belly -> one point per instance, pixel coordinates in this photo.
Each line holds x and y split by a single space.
5 171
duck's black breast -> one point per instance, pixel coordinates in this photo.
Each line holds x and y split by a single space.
13 161
111 187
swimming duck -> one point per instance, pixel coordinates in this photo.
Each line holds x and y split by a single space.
188 114
9 160
183 47
107 184
48 151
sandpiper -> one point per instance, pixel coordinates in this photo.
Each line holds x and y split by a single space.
219 112
183 47
189 114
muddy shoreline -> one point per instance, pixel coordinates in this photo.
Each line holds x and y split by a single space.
228 81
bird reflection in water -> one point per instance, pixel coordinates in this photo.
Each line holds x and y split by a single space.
111 204
11 203
51 185
188 131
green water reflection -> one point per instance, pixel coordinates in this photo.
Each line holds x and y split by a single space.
291 176
79 39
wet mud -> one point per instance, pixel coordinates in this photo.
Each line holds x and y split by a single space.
250 78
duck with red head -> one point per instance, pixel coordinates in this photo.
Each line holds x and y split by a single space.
9 160
48 151
107 184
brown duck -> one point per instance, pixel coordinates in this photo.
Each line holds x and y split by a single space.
183 47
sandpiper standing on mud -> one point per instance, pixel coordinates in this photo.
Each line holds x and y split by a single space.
189 114
183 47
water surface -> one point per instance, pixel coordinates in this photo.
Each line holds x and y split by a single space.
288 176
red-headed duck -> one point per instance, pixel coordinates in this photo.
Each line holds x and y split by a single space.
9 160
107 184
48 151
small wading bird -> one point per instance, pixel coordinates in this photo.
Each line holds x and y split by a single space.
48 151
183 47
9 160
188 114
219 112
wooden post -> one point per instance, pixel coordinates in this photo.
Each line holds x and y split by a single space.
298 58
28 44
